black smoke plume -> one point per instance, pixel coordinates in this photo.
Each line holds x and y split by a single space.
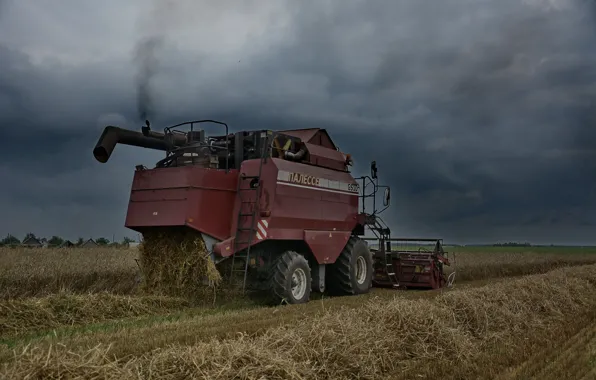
147 62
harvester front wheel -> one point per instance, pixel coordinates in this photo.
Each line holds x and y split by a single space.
352 272
290 278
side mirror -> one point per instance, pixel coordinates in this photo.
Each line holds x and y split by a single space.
387 197
373 169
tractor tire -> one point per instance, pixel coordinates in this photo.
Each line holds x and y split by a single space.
290 279
352 272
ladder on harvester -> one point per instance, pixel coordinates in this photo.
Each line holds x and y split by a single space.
382 232
245 235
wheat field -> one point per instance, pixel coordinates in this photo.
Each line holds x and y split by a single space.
514 313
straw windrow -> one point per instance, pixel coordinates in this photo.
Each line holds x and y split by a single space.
40 272
474 333
28 315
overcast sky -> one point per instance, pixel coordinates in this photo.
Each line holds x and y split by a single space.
480 114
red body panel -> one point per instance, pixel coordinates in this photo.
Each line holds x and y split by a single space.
326 245
316 136
317 201
297 202
319 155
200 198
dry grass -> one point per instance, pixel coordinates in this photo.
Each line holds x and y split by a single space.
31 314
34 272
471 265
41 272
56 277
570 356
191 325
469 333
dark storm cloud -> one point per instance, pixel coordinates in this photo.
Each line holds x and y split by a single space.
12 95
505 124
480 115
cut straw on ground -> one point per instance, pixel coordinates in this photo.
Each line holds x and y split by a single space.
38 272
472 333
33 314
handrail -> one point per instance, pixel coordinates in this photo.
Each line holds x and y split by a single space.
170 131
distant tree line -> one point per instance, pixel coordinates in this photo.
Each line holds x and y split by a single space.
55 241
512 244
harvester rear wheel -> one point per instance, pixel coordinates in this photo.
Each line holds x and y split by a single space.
352 272
290 279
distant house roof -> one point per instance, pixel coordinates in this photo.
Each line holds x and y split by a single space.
66 243
89 244
31 242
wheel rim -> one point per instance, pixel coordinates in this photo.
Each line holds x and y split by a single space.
298 283
360 270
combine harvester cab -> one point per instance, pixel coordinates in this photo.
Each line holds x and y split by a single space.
278 210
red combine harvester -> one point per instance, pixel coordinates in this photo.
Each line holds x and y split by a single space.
282 203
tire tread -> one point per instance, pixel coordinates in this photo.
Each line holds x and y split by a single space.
340 274
277 276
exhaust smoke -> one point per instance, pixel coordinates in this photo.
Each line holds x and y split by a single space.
147 62
154 24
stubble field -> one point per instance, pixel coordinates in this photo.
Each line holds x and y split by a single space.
514 313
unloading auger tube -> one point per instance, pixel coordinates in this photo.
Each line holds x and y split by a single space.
112 136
